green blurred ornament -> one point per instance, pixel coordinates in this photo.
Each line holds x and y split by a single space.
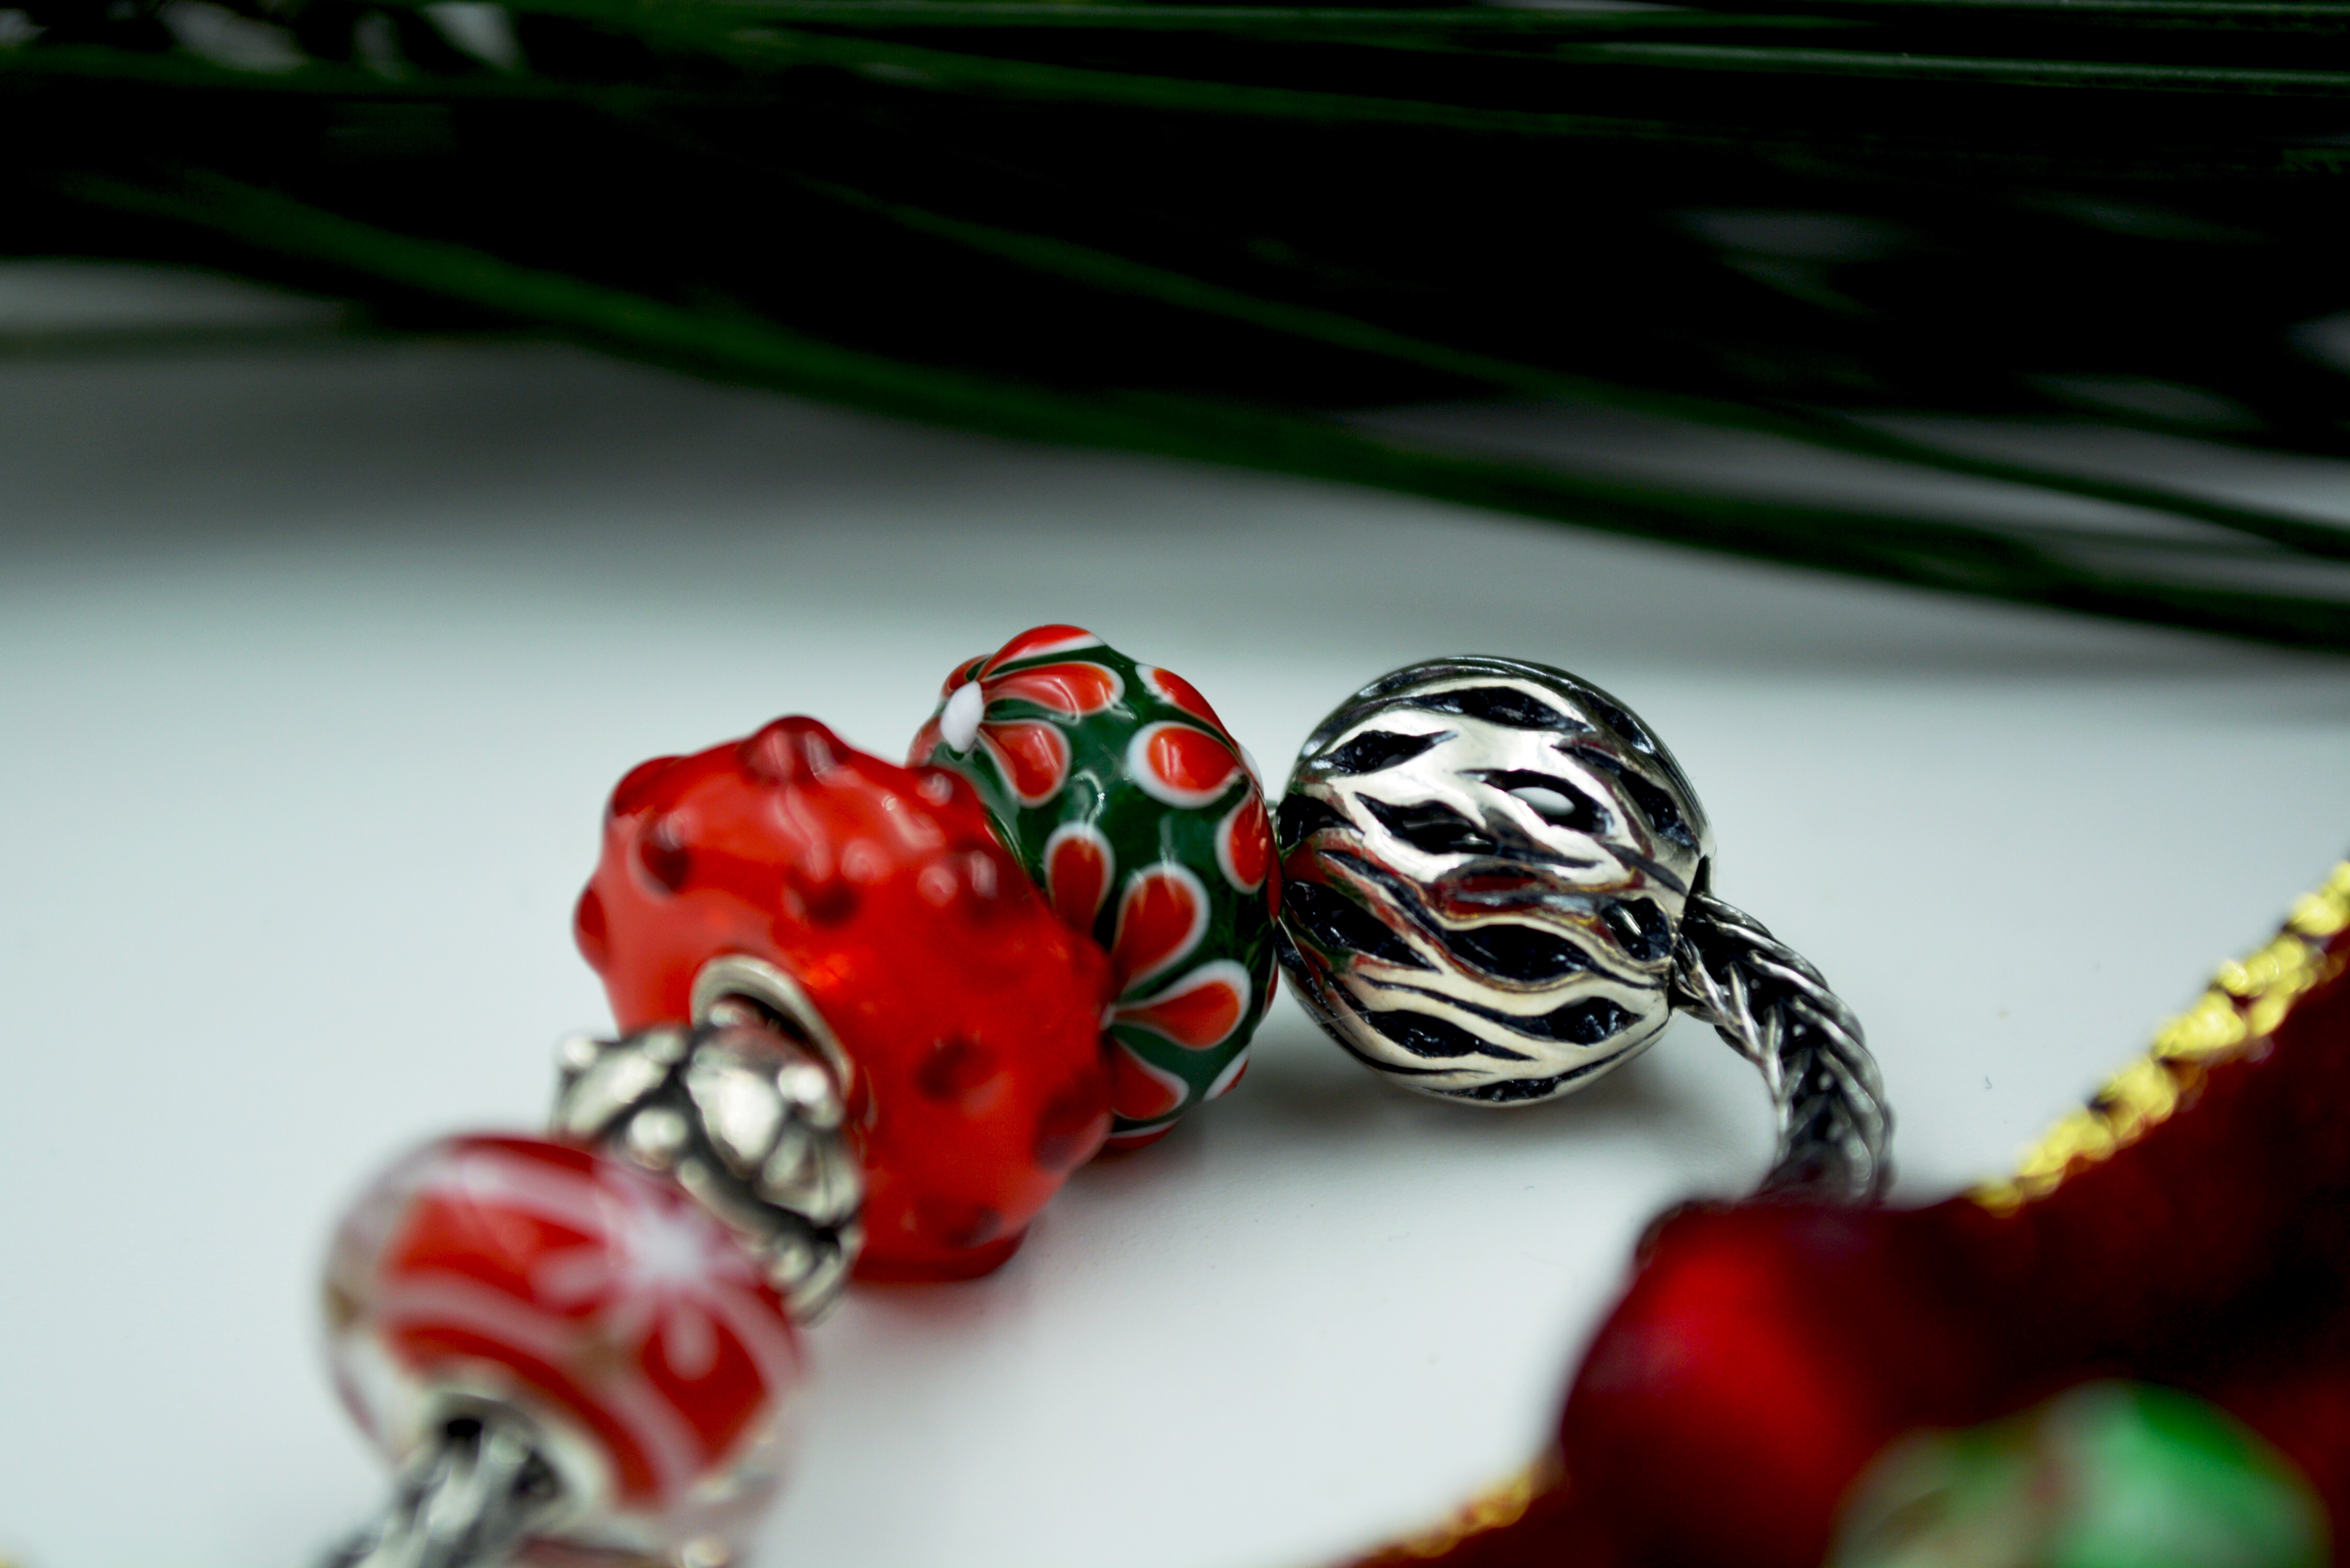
2107 1474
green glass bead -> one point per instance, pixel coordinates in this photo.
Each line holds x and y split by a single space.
2108 1475
1134 809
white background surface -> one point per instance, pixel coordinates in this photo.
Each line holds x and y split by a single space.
315 666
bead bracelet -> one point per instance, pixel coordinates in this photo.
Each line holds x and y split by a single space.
872 1016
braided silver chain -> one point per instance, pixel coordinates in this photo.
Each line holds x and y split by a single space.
469 1496
1776 1010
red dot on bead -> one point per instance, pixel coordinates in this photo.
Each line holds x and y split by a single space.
980 880
953 1070
955 1224
662 854
1070 1127
831 902
634 790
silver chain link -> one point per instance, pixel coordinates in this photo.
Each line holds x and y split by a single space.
466 1498
1774 1010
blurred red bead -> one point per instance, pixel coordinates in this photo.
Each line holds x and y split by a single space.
971 1016
1763 1357
600 1301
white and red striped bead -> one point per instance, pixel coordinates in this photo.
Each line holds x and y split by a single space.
594 1296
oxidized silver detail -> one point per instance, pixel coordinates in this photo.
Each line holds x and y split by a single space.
1499 856
749 1122
467 1498
1503 895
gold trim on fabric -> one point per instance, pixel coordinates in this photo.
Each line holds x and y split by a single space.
1502 1504
2231 1022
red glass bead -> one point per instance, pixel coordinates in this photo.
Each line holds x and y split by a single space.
600 1301
971 1016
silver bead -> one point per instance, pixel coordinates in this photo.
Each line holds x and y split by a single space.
1496 890
1498 857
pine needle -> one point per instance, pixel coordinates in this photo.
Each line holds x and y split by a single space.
1219 232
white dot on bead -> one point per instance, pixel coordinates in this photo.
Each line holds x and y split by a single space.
959 724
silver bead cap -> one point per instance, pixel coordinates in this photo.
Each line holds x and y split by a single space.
748 1120
1497 857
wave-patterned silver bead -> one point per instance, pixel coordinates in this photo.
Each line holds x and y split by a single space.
1495 889
1495 859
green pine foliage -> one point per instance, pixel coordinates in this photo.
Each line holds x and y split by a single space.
1232 232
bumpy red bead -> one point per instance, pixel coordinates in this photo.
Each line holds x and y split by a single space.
598 1299
971 1014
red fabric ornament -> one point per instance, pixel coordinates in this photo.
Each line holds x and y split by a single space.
1766 1352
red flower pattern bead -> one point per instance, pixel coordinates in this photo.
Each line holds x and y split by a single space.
1129 802
969 1015
599 1300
